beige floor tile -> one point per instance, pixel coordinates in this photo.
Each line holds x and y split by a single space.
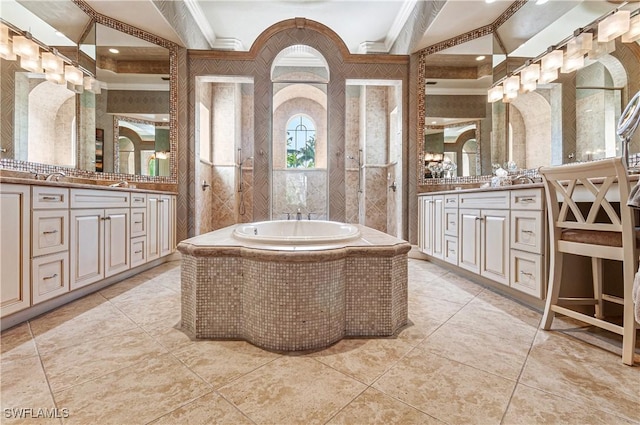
292 390
425 316
206 410
364 359
500 355
495 321
134 395
531 406
570 368
494 301
220 362
129 286
160 305
374 407
17 343
83 320
441 289
23 385
447 390
421 265
82 362
168 335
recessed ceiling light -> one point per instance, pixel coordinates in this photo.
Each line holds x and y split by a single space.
489 1
434 122
59 34
165 119
115 51
541 1
480 58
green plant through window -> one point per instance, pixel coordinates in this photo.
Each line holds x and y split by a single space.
301 142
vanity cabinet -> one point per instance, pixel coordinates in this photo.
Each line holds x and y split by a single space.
498 234
15 229
483 240
160 237
49 243
432 226
528 242
139 223
99 236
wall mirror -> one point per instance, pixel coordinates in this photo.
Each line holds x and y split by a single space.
134 79
143 146
456 83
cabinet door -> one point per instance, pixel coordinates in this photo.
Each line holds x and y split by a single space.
153 245
421 223
164 225
438 227
15 285
87 247
469 239
427 226
494 262
116 241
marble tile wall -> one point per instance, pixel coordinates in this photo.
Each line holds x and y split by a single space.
300 189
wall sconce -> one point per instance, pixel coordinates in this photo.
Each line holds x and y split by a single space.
25 48
530 74
54 78
495 93
547 77
613 26
572 64
634 30
6 49
73 75
29 64
580 45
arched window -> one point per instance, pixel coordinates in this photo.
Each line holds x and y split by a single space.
301 142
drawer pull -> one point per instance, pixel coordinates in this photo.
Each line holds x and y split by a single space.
50 198
527 200
479 218
49 232
526 273
452 251
105 218
137 252
529 232
450 201
452 223
137 222
50 277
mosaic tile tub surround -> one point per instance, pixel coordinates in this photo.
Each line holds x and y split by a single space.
285 298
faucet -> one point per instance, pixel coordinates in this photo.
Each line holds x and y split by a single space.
56 174
299 214
122 183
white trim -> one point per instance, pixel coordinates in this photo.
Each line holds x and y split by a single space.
399 23
227 44
198 15
373 47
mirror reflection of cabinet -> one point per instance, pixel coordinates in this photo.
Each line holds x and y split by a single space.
143 147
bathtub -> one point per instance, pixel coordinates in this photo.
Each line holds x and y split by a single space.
293 285
297 232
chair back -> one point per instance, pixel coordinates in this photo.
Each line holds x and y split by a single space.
592 186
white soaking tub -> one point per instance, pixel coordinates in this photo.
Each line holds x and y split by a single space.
296 232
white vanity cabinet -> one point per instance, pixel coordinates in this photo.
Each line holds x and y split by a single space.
451 229
139 223
99 235
432 225
49 243
15 230
528 242
483 239
160 234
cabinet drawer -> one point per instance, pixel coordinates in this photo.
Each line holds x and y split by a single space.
498 199
45 197
451 201
527 199
90 198
451 249
50 276
528 231
527 273
50 232
138 200
138 222
451 222
138 251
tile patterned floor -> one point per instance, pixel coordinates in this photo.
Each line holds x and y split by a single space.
470 356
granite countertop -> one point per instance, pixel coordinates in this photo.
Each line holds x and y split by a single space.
75 185
485 189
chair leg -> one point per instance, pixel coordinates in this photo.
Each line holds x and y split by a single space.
596 267
553 292
628 321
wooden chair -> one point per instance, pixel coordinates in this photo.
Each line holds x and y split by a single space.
604 232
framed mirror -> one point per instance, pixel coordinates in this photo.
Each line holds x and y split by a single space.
138 82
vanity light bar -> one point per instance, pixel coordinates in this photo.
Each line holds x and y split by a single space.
610 26
73 75
25 48
52 63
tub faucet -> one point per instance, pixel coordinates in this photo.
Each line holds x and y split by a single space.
299 214
56 174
